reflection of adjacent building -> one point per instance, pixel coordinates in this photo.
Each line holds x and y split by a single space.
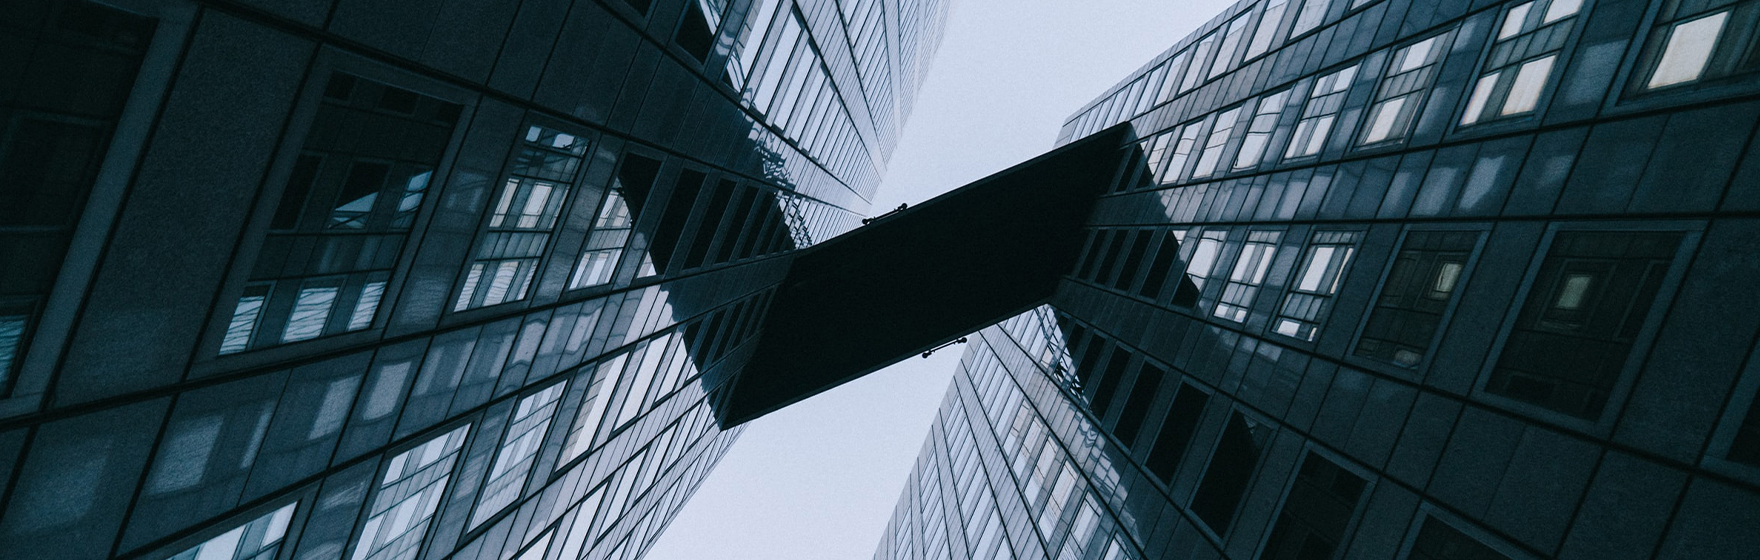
1388 279
358 280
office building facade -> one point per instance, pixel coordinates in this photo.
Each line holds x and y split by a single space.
398 280
1388 279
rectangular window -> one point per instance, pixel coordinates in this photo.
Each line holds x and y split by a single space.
1259 130
1438 540
1231 470
523 217
1203 261
1231 42
1529 38
1133 260
518 452
1692 43
1410 73
1175 166
1269 22
1745 446
755 26
1248 275
1313 12
1310 295
1176 433
1583 313
1200 58
1213 145
674 218
69 68
1422 284
1165 255
1136 406
586 423
1321 504
1170 84
1109 381
344 214
411 491
1324 103
617 216
260 539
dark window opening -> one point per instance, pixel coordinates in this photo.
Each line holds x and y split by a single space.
1231 470
675 218
1130 420
1426 275
1133 261
1321 504
1439 541
1176 433
1109 381
711 224
1591 297
694 33
1165 255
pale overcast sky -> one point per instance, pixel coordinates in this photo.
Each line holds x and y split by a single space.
818 480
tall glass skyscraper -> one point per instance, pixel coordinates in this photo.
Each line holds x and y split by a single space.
1388 279
376 280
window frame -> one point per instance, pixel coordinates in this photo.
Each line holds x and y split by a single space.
281 168
1357 512
1489 116
1638 64
1729 423
1417 371
1304 258
1691 234
1429 511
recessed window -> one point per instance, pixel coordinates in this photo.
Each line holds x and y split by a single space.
1589 300
1259 130
1248 275
1176 433
1438 540
1745 447
1322 272
1529 37
1692 43
70 67
1423 282
1401 93
1324 103
1212 154
1180 153
1322 502
355 202
522 218
1166 254
1170 83
1230 472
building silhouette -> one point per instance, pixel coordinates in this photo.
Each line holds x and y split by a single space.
398 280
1387 279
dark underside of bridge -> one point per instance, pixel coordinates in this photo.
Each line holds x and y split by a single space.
924 276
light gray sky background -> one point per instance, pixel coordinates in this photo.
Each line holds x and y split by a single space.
818 480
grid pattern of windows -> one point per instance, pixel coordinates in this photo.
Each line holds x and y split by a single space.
1321 112
1587 305
1248 275
1319 278
522 218
1422 283
1410 72
1528 40
409 493
344 214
